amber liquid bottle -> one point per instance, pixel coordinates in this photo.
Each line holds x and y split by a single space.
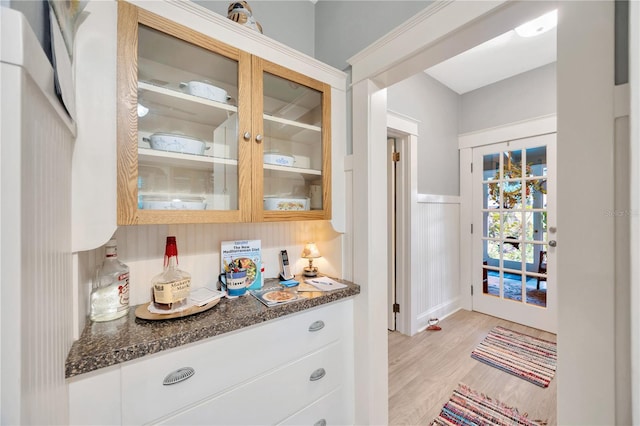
170 289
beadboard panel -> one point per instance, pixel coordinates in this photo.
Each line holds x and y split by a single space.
436 260
142 249
36 253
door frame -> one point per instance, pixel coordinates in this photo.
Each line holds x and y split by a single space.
466 142
405 130
585 105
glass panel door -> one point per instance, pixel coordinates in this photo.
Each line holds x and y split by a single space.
511 198
292 145
187 125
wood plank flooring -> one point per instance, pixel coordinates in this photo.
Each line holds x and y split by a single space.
426 368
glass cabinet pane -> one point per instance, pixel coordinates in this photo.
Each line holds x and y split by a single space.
293 149
187 125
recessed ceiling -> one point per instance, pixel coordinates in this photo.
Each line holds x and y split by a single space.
502 57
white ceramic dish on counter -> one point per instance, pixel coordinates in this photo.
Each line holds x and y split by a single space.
160 203
286 203
278 159
205 90
176 143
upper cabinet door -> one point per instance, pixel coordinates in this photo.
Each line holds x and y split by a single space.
209 133
182 98
292 129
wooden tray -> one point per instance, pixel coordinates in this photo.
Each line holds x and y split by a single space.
142 311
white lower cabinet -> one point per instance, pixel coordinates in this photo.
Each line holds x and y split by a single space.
294 370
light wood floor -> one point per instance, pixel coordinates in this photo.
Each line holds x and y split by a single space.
426 368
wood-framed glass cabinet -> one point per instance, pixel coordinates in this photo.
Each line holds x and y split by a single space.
209 133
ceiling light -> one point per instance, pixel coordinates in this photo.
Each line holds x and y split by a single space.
539 25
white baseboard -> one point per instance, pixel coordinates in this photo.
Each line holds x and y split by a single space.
441 311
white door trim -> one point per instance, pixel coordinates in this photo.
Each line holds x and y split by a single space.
518 130
406 129
634 83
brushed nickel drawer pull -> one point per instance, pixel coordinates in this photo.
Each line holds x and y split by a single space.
321 422
318 374
181 374
316 326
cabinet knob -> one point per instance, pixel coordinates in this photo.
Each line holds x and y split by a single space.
321 422
316 326
247 136
179 375
258 138
318 374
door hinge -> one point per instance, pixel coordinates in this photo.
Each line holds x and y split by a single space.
472 290
472 228
395 156
396 308
471 167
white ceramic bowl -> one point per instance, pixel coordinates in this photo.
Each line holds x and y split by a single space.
286 203
278 159
175 143
205 90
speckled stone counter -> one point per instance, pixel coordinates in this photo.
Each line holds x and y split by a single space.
110 343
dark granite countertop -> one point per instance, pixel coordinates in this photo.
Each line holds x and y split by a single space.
103 344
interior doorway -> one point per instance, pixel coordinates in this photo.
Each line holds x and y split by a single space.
402 139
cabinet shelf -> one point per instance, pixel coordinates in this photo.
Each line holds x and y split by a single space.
176 159
287 170
172 103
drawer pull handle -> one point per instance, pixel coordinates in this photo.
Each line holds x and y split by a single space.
321 422
318 374
181 374
316 326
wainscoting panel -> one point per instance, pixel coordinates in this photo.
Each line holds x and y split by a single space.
435 260
142 249
37 141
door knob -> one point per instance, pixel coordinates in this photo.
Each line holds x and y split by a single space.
553 243
258 138
247 136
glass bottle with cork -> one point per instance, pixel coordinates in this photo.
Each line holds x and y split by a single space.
170 289
110 292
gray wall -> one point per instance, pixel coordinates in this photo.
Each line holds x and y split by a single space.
436 107
290 22
527 95
37 14
343 28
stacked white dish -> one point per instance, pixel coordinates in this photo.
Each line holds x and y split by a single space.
176 143
205 90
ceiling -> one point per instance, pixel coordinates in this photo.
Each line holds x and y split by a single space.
502 57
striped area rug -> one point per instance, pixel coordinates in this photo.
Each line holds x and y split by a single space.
467 407
527 357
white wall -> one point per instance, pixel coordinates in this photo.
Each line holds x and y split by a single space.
524 96
436 109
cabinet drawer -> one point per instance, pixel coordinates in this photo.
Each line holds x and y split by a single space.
331 409
225 361
274 396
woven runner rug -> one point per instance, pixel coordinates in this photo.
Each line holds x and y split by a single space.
467 407
527 357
